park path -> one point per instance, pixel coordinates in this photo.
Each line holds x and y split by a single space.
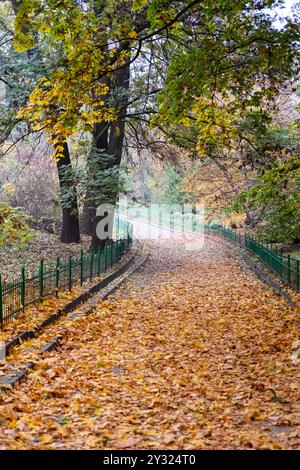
192 352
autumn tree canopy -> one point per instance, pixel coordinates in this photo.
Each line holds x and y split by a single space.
203 76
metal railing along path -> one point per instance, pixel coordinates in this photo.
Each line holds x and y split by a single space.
284 266
48 281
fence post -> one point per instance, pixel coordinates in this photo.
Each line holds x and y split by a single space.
106 256
119 249
81 267
172 220
130 235
91 264
23 288
194 220
57 275
289 269
41 278
1 301
70 272
111 253
99 261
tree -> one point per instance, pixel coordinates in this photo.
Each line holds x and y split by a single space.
215 62
222 76
23 72
274 195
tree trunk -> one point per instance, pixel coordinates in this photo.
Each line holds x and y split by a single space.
70 221
115 142
249 218
100 143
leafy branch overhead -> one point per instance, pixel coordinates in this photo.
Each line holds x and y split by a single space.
143 79
226 59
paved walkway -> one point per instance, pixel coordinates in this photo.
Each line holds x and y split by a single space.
193 352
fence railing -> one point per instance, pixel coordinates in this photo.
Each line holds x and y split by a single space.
286 267
47 280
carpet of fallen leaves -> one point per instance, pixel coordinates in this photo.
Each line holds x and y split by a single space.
35 314
44 245
192 352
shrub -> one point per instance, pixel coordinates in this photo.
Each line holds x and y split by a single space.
13 226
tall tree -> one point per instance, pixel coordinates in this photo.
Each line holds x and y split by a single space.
216 61
70 215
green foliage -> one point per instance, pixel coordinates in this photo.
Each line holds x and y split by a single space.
233 66
171 184
220 66
276 199
97 181
267 142
224 58
13 226
72 96
19 74
138 4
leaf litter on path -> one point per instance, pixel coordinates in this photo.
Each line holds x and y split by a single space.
192 352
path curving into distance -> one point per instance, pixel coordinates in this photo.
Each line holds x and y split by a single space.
192 352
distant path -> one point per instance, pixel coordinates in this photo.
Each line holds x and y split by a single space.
152 230
192 352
